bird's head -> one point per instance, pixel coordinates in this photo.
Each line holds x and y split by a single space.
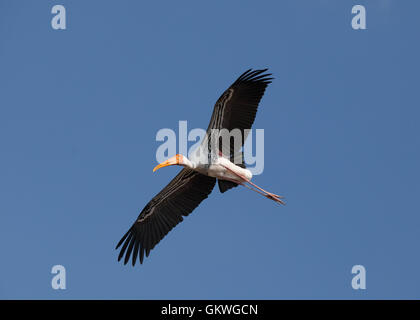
178 159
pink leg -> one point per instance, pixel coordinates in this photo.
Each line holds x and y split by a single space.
269 195
277 196
265 193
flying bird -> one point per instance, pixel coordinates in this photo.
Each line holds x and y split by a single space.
214 160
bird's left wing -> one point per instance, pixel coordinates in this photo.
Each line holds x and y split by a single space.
237 106
179 198
236 109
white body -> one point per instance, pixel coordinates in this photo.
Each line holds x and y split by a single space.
224 169
220 167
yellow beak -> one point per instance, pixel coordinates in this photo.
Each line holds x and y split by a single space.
170 162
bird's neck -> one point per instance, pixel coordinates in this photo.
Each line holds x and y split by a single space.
189 164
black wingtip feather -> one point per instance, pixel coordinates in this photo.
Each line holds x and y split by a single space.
255 76
141 255
122 239
124 247
244 74
135 252
130 249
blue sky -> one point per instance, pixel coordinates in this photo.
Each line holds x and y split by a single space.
80 108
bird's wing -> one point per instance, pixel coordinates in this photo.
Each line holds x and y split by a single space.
237 106
179 198
236 109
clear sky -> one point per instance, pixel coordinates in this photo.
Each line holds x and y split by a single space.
80 108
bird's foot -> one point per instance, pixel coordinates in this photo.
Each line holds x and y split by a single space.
275 197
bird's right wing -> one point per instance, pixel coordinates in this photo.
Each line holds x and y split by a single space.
179 198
